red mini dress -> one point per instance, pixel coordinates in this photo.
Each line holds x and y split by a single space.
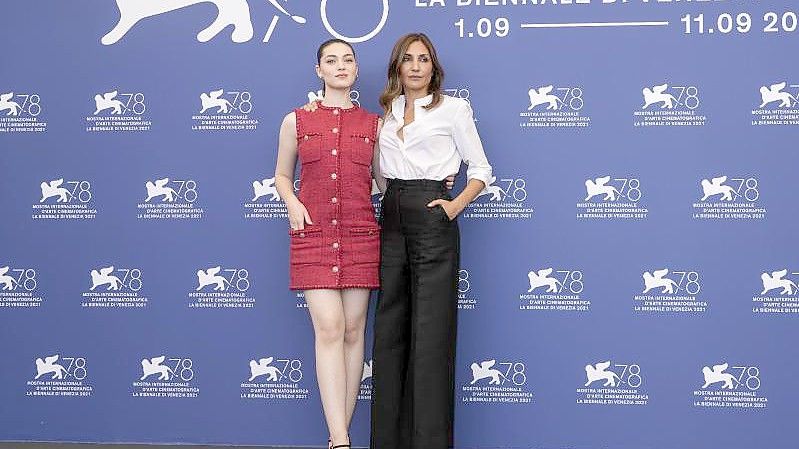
341 249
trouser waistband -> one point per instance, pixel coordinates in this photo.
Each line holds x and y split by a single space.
416 184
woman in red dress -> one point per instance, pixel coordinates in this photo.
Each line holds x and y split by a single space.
335 239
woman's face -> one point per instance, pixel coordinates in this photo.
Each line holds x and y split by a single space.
337 68
416 67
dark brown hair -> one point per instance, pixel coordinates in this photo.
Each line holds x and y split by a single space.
394 88
324 45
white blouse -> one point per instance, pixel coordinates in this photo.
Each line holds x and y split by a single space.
434 144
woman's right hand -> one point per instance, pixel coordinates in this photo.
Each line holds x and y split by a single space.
298 215
310 107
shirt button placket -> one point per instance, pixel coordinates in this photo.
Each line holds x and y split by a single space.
336 196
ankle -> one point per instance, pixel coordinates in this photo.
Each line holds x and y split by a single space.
341 440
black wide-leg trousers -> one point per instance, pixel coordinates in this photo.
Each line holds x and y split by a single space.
415 322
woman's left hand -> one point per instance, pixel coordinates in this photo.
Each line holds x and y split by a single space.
450 208
450 181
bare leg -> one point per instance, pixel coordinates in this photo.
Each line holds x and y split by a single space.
327 315
356 303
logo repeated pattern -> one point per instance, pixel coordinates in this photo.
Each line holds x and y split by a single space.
613 198
558 117
675 291
777 105
166 377
222 110
504 199
119 112
21 113
115 288
780 294
670 105
265 203
65 200
275 379
219 288
555 290
171 199
19 287
729 198
497 382
60 376
609 383
552 107
726 386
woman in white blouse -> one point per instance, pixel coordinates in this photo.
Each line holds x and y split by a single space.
425 137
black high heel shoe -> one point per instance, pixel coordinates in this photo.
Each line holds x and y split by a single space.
339 446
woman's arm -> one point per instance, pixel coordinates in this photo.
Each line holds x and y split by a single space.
458 204
284 173
376 173
470 148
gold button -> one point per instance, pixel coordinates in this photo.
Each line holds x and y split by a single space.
334 222
334 200
366 139
335 111
306 137
335 244
302 234
334 152
333 176
335 269
335 130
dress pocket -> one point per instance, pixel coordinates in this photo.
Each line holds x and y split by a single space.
365 242
362 149
309 147
306 246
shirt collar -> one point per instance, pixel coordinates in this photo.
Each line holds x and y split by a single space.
398 108
398 105
424 101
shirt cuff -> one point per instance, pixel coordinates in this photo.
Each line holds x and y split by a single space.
481 173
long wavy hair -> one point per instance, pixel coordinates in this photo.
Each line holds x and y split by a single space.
394 88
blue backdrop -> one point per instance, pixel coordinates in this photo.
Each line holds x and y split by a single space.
629 279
